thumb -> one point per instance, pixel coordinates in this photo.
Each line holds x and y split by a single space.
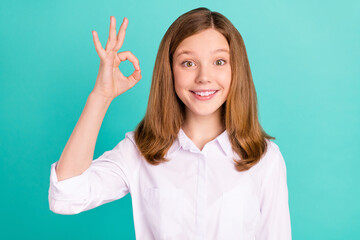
135 76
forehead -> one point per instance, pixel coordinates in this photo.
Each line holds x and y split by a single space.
207 41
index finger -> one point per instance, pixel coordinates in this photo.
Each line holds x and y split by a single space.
121 34
99 49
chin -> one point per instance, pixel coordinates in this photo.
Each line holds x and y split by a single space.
204 112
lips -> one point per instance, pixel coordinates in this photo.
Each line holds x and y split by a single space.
204 94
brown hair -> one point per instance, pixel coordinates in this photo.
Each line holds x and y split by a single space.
165 113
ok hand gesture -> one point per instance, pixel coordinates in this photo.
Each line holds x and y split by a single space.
110 82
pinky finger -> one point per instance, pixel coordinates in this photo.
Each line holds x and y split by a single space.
99 49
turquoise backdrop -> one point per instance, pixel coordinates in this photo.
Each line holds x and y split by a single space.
304 57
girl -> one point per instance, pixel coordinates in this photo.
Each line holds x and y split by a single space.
199 165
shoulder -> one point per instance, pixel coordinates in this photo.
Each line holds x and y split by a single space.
125 148
272 152
274 161
271 169
271 146
130 136
128 141
271 159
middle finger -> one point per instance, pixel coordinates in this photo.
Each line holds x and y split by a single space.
112 34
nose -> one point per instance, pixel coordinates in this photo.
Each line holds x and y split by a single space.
204 75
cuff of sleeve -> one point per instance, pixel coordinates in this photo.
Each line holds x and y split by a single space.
70 189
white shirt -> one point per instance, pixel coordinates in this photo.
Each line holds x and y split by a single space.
196 195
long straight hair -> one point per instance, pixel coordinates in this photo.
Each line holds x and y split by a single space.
165 112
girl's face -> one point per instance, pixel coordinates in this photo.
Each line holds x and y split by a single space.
202 73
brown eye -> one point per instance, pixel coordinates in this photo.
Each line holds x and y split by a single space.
220 62
187 64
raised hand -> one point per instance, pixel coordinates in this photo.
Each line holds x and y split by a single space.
110 82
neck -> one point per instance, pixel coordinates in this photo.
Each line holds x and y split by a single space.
203 129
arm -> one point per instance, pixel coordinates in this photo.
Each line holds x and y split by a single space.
78 183
275 216
79 150
110 83
107 179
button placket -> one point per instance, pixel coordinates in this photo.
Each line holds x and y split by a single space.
201 197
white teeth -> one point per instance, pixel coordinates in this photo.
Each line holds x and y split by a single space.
203 94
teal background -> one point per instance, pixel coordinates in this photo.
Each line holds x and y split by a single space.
304 58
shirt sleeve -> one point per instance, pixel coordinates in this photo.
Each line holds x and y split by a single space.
107 179
275 215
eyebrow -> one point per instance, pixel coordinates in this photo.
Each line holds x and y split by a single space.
189 52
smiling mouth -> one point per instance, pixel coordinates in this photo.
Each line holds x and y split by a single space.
204 93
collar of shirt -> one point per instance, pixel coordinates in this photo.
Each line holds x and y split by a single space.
184 142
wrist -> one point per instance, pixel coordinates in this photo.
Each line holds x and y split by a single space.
100 98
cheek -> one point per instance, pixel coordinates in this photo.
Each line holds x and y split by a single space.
176 81
178 92
181 81
225 79
178 86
